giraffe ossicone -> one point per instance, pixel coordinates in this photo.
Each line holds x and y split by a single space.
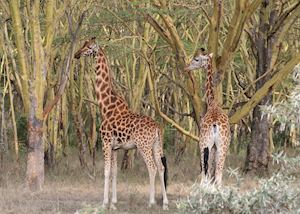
124 129
214 127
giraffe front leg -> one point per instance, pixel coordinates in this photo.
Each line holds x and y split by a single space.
203 176
114 170
107 169
152 174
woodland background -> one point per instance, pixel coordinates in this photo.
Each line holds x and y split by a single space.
49 139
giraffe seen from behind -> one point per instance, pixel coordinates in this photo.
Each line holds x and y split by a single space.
214 127
123 129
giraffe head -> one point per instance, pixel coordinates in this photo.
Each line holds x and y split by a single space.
89 48
200 60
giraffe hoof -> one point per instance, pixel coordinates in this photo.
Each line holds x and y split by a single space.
165 207
113 207
152 204
104 206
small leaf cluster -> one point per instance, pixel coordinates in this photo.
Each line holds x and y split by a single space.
287 111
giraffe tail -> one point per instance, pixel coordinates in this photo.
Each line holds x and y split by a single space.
164 162
163 157
206 155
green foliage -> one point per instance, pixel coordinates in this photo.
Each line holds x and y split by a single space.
22 131
168 138
278 194
287 111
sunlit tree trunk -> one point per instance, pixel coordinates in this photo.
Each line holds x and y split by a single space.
138 80
35 157
22 55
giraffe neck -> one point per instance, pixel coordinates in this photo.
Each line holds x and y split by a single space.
209 85
108 100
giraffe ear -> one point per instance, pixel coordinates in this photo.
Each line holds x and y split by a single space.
85 43
200 51
210 55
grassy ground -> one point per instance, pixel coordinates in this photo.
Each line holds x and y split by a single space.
68 189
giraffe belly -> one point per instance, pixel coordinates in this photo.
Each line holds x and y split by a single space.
124 145
128 145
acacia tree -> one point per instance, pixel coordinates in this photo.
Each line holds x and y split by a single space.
275 20
31 74
33 87
266 46
223 55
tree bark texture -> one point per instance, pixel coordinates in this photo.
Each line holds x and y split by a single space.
258 155
35 156
258 149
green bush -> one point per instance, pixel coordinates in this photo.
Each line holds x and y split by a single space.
278 194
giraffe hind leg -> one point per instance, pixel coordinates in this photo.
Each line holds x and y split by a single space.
114 169
212 163
161 163
220 161
206 145
147 155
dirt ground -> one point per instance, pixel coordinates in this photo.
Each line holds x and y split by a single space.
68 189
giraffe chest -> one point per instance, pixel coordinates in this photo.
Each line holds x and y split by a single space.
120 137
128 131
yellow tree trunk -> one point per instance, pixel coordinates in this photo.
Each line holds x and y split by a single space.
22 54
37 82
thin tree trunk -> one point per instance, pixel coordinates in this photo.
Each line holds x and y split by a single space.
22 56
16 143
76 112
139 81
3 135
93 117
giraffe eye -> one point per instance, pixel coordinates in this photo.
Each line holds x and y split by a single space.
196 59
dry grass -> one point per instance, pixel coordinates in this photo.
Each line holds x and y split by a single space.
68 189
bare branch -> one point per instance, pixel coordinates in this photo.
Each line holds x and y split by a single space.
163 115
66 73
164 34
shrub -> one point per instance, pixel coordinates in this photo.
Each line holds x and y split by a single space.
280 193
287 111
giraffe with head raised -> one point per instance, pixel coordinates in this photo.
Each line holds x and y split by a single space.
123 129
214 127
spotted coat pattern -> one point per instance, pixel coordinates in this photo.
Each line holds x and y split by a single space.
123 129
214 127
